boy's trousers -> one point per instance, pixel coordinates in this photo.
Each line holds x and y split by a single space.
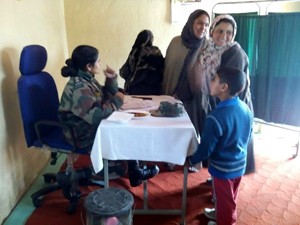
226 193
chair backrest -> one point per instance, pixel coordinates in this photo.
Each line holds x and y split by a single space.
38 96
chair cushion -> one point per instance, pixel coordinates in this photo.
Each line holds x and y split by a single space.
55 139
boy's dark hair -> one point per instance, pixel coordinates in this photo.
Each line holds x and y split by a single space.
234 78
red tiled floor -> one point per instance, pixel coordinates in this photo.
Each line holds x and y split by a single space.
272 194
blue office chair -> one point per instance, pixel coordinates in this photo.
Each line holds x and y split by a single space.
39 102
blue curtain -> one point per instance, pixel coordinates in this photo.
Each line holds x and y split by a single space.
272 45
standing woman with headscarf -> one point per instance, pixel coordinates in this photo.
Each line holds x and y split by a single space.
209 59
221 51
181 54
181 51
143 69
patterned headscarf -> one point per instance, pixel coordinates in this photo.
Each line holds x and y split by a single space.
144 38
210 59
137 58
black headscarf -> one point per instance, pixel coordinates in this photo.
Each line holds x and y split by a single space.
183 90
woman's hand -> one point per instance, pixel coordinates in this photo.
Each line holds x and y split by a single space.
120 95
109 72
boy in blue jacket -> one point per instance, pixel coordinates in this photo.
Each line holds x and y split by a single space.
224 140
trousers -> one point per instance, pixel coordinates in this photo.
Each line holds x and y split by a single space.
226 194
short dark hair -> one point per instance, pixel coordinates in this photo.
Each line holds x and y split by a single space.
82 55
234 78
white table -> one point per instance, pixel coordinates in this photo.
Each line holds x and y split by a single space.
157 139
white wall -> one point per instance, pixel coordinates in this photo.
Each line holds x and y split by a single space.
23 23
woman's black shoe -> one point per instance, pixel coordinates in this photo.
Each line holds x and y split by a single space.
137 175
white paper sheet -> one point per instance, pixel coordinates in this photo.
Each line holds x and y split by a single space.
120 117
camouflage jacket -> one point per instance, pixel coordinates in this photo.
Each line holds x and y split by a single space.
84 103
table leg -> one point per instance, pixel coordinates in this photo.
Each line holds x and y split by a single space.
145 194
184 195
105 168
181 211
145 209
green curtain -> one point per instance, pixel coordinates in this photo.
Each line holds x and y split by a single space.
247 37
274 64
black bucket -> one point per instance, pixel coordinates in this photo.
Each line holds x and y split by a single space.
109 206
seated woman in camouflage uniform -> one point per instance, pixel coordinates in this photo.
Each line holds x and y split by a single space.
84 102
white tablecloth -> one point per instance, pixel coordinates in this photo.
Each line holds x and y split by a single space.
158 139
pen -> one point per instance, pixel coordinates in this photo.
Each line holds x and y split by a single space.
141 97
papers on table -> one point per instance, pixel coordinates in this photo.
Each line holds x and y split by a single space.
136 103
120 117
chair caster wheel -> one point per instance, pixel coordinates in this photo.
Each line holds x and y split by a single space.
37 202
48 178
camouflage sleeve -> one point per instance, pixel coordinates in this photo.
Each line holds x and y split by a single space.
86 105
111 85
